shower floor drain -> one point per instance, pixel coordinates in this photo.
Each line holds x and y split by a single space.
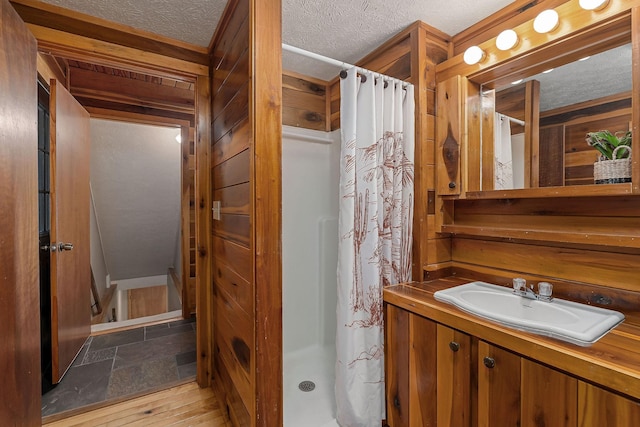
307 386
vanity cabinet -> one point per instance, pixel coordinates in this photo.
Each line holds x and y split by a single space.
439 376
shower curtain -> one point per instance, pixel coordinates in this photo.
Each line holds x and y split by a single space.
503 157
375 229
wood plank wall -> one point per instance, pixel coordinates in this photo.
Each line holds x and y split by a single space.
233 283
246 156
412 55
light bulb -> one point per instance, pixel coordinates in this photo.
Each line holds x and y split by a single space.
593 4
473 55
506 40
546 21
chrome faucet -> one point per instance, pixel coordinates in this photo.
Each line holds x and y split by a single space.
544 290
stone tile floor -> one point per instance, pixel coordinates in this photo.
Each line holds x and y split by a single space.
119 364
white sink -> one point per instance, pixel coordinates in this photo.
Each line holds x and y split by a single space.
580 324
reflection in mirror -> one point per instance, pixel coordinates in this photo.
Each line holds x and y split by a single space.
540 123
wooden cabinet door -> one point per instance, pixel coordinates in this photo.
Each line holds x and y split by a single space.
498 387
19 291
397 365
454 377
423 371
549 397
601 408
70 265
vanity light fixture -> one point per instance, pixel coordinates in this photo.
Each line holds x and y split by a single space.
546 21
473 55
506 40
593 4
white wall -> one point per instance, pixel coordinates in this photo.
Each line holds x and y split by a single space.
309 223
135 177
98 263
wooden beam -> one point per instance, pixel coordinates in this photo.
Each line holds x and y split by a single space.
72 22
266 117
204 297
108 87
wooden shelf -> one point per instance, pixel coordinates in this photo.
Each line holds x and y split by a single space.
586 237
571 191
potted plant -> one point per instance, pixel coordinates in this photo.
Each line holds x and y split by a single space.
614 162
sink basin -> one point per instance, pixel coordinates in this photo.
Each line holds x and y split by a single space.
569 321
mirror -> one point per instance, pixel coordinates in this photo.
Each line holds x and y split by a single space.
534 130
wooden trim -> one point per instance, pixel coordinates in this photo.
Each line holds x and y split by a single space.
266 119
204 297
124 116
571 191
573 35
510 16
586 104
72 46
635 114
69 21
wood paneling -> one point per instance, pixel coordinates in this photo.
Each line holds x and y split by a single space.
422 369
20 300
202 232
304 101
266 113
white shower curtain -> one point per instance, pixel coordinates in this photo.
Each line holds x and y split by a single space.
375 228
503 166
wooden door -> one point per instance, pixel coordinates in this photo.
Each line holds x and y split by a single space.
70 262
498 387
19 295
601 408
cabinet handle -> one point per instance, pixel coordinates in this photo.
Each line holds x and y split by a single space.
489 362
454 346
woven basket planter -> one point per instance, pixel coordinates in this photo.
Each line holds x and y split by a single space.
613 171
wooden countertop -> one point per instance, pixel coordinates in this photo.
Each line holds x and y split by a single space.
612 362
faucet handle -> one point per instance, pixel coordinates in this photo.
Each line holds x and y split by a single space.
519 285
545 290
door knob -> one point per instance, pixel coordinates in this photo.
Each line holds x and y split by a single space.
454 346
65 246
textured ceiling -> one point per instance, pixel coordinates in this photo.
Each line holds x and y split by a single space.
344 30
135 178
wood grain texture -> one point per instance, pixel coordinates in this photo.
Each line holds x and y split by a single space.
397 369
182 405
422 372
266 114
38 13
549 397
598 407
19 314
454 377
147 301
498 387
204 294
450 119
70 269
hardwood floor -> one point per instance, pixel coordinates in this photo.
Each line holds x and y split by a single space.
184 405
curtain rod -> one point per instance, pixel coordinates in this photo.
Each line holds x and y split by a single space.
514 120
337 63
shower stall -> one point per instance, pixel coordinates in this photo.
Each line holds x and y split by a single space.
310 170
